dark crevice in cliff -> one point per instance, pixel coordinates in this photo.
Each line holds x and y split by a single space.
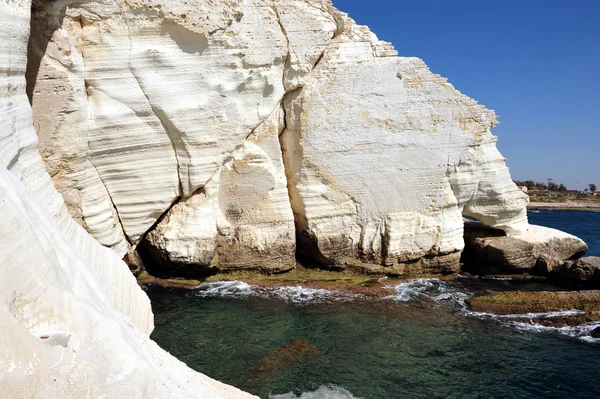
112 203
307 249
155 262
285 34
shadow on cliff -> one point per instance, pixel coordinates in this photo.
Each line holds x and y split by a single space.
42 28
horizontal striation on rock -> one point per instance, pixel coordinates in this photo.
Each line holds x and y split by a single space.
156 96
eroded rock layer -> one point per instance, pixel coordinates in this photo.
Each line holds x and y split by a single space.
138 103
73 321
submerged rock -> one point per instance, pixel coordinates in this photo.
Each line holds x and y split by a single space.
282 359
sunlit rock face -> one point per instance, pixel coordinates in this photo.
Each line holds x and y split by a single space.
73 321
139 103
149 114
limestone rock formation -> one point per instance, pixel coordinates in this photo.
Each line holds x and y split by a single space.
540 250
581 272
146 110
216 135
73 322
138 103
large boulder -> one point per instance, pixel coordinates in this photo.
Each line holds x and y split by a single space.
539 249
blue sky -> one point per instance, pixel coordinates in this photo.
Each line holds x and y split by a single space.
535 62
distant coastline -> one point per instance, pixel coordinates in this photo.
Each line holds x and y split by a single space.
565 206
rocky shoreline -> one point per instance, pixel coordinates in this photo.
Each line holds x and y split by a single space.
556 309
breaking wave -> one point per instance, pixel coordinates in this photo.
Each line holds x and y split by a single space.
292 294
324 392
298 294
224 289
581 331
430 288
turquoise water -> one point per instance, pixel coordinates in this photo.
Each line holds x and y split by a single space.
420 342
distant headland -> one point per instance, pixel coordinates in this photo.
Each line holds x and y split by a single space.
557 196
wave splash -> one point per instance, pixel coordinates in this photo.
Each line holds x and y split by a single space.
429 288
324 392
225 289
581 331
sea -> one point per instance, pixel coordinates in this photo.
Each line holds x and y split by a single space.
419 342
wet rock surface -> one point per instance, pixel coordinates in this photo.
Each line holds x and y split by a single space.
516 302
584 272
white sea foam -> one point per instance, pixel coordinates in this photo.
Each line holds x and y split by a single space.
581 331
498 278
225 289
293 294
324 392
545 315
298 294
414 290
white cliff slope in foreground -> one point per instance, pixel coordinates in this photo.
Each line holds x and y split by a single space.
158 121
73 322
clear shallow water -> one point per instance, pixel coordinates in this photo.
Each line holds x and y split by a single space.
420 342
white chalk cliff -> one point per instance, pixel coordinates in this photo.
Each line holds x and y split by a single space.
157 121
73 322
